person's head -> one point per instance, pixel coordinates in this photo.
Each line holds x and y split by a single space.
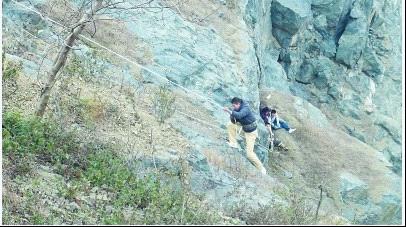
273 112
266 110
236 102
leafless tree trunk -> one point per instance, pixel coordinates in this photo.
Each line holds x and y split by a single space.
62 56
97 8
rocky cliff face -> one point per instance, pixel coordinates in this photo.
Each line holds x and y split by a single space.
328 65
342 56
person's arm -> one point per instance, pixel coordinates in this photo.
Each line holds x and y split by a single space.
226 109
240 114
232 119
277 121
269 127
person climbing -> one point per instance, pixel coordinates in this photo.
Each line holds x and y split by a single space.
241 116
277 122
265 113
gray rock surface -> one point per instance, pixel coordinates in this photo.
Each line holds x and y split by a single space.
340 58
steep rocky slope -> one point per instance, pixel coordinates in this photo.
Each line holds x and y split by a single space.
328 66
343 57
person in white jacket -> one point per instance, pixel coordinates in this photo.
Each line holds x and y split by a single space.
277 123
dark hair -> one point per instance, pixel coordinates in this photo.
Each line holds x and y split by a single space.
266 109
236 100
273 111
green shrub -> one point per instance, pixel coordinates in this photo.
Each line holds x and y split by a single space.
116 218
25 135
29 139
38 219
163 103
86 66
161 204
105 168
91 110
70 191
32 135
11 70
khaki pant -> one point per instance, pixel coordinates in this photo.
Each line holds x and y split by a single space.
250 142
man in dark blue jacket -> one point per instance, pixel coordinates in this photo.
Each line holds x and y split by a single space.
241 116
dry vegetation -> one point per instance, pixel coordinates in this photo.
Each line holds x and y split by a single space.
100 110
321 154
106 108
94 110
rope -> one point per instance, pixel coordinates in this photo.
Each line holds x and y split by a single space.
40 14
123 57
141 66
34 36
198 120
151 71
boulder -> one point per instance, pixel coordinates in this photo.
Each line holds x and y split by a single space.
353 190
274 76
306 74
354 38
287 18
372 66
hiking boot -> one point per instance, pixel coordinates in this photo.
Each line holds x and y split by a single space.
292 130
263 171
282 147
233 145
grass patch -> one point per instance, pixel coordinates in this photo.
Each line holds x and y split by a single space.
11 70
160 203
85 167
91 110
297 210
28 139
107 169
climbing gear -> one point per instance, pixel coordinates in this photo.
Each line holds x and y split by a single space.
250 127
271 142
276 143
233 120
283 147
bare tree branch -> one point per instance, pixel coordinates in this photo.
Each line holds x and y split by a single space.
59 63
77 17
